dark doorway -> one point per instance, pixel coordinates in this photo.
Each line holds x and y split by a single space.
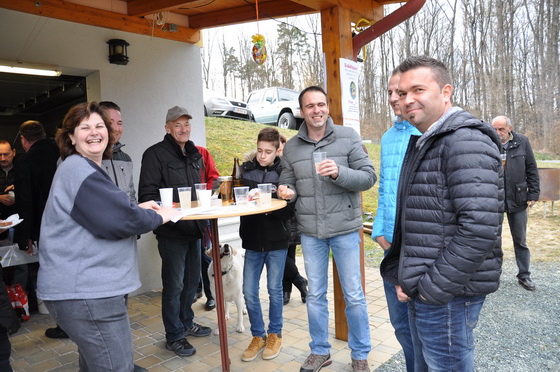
45 99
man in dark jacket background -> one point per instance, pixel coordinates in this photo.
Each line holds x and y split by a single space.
172 163
521 180
34 172
446 252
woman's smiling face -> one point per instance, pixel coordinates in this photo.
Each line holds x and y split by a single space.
91 137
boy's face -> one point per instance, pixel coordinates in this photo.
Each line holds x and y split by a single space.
266 153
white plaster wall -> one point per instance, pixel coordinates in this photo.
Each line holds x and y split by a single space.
160 74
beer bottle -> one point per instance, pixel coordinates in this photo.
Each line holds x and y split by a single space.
236 174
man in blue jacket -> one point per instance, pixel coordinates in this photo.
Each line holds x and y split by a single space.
521 179
393 147
446 252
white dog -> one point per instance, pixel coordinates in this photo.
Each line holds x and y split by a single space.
232 280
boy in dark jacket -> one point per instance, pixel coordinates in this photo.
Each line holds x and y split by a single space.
265 239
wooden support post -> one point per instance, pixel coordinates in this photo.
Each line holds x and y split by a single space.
337 43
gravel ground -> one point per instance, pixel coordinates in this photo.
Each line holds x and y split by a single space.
518 330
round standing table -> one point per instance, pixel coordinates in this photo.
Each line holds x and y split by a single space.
213 215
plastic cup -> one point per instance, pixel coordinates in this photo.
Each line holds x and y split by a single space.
185 197
241 195
166 196
317 158
265 193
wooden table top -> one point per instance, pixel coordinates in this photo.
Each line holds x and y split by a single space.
234 210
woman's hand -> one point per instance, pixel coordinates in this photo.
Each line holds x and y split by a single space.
167 213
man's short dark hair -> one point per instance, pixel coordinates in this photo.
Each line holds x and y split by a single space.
313 88
439 70
32 131
269 135
110 105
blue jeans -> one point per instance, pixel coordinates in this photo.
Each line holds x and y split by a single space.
254 263
346 253
180 273
443 335
398 314
101 330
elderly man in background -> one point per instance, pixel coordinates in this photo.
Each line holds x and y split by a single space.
521 180
172 163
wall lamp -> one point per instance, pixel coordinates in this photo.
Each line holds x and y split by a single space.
118 52
26 68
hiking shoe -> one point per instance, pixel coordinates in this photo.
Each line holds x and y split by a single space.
273 346
255 347
197 330
315 362
360 365
180 347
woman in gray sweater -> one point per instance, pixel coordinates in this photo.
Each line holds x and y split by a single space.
87 249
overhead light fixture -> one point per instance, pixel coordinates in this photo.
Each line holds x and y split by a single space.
26 68
118 52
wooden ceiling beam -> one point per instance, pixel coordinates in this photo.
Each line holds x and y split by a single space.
139 8
66 11
247 13
368 9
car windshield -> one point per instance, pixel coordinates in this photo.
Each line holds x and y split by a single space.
254 98
287 95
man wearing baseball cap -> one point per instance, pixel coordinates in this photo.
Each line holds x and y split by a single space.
176 162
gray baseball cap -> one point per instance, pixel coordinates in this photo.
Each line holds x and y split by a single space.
176 112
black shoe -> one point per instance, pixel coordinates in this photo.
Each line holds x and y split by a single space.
56 332
210 304
527 283
197 296
181 347
197 330
302 286
287 296
139 369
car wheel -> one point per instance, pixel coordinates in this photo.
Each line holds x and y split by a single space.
287 121
205 111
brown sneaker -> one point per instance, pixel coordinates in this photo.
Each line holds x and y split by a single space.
360 365
273 346
255 347
315 362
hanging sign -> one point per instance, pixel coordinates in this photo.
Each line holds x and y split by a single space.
349 74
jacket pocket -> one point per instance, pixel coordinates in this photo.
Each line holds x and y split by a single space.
177 174
521 193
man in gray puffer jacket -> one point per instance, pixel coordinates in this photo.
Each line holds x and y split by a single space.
446 253
329 215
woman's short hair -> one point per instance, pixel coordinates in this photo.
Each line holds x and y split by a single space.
73 118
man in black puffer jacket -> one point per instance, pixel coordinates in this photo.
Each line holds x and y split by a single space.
446 253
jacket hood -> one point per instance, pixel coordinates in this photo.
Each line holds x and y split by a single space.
456 118
117 147
250 156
